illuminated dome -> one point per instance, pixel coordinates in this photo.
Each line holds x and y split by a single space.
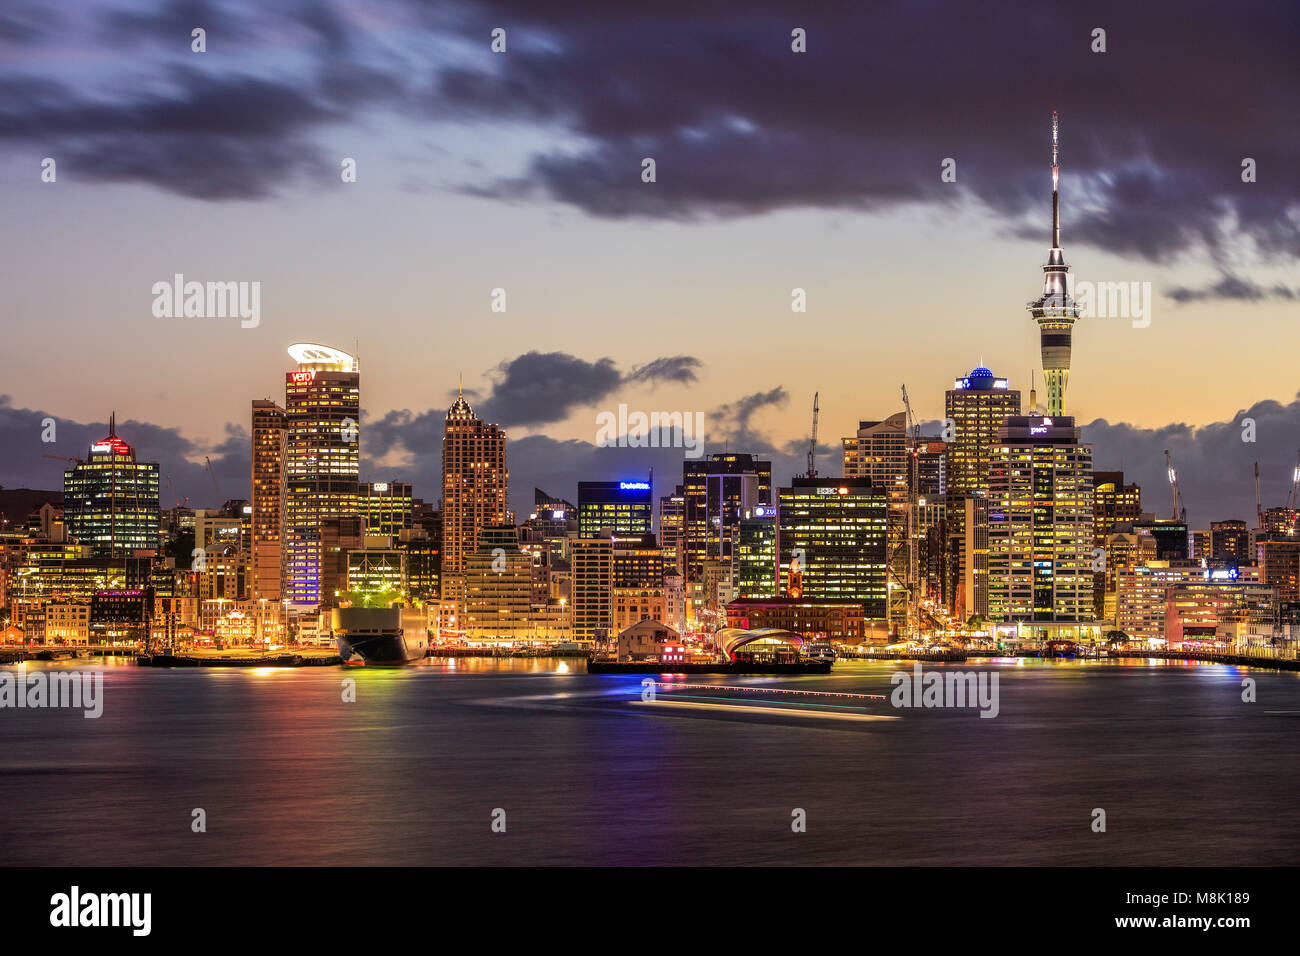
980 372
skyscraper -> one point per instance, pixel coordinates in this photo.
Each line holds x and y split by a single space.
718 491
110 501
474 488
267 484
975 407
321 462
831 541
1054 310
1040 561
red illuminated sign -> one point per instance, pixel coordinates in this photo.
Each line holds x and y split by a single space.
301 378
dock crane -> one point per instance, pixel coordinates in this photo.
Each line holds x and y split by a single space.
1180 513
812 442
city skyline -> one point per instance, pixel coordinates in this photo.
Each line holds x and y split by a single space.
618 293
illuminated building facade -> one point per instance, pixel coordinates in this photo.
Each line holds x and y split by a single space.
377 571
110 501
753 554
474 484
1040 525
321 463
267 545
591 563
976 406
717 491
388 507
672 528
831 540
623 508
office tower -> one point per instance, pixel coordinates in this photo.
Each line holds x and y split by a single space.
975 407
423 547
931 467
339 536
753 554
672 528
110 500
1113 503
551 517
321 462
474 484
267 482
1040 540
831 539
718 490
1172 543
387 506
638 583
1279 566
878 452
624 508
498 586
1229 543
1055 310
591 587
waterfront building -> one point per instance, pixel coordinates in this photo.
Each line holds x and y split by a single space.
975 407
591 587
1040 527
717 490
267 482
110 500
1144 590
638 582
377 570
321 466
823 620
831 541
498 587
475 483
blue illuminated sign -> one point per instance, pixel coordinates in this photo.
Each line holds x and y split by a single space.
634 486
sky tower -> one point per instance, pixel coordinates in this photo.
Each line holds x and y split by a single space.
1055 311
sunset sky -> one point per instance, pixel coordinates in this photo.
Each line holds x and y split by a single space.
522 170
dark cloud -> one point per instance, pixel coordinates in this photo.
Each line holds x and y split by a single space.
1234 289
538 388
731 421
1154 129
679 369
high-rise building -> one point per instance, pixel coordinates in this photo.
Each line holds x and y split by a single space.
831 541
753 554
498 586
1040 522
474 484
625 508
321 464
1230 543
387 506
638 583
110 500
717 491
1113 503
672 528
267 546
1055 310
591 587
976 406
878 452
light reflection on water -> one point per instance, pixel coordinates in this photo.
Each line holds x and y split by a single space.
409 774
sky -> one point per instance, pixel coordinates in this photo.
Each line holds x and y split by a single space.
522 171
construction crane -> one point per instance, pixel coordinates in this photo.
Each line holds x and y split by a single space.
1259 506
75 461
1180 513
1293 501
812 442
214 478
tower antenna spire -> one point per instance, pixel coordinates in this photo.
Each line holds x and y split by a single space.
1056 182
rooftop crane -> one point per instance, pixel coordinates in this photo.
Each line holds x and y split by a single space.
812 442
1180 513
75 461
